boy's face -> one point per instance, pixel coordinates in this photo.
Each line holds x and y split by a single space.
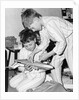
30 45
35 26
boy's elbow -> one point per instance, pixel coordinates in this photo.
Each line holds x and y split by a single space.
64 45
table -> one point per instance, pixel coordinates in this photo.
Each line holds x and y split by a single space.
7 60
15 51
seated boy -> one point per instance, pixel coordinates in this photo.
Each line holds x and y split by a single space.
30 77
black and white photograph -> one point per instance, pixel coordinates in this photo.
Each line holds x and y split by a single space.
53 50
38 49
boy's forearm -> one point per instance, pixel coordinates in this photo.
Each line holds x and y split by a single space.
47 55
36 64
51 53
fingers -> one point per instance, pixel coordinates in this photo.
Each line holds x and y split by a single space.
36 68
28 67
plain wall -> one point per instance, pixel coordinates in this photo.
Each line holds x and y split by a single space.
13 23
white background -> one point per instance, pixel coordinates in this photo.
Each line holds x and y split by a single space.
47 95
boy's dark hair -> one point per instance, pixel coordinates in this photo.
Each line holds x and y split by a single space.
26 35
28 15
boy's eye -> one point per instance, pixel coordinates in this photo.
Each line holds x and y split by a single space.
30 44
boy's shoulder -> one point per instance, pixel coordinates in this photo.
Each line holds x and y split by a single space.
46 19
23 50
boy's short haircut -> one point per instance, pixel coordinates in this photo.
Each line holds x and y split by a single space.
28 15
26 35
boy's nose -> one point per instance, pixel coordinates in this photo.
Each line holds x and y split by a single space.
31 28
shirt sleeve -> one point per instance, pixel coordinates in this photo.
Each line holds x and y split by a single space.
56 34
44 41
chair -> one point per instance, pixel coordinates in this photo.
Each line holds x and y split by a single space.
6 72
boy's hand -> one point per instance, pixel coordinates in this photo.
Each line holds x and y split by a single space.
36 68
43 57
14 65
27 64
29 68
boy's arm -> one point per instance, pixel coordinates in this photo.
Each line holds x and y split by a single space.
44 40
55 34
44 43
47 55
58 36
36 64
16 65
17 62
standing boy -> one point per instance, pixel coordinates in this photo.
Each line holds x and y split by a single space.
55 29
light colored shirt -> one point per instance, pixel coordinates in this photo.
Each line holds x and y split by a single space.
56 29
24 54
44 40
